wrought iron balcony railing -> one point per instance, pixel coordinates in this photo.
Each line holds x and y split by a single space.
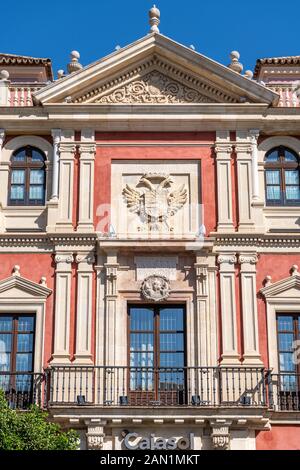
146 387
164 386
22 389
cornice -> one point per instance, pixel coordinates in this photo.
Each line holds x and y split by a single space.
259 241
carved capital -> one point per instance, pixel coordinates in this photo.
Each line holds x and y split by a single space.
67 147
243 148
87 148
227 259
85 258
248 259
155 288
223 149
64 258
56 136
2 136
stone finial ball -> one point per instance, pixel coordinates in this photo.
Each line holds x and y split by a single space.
234 55
249 74
154 12
75 55
4 74
60 73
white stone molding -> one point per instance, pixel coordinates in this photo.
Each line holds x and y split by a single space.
67 150
56 135
220 434
2 137
249 309
63 279
281 297
20 295
161 265
84 311
223 151
155 288
4 88
87 153
230 355
111 307
244 158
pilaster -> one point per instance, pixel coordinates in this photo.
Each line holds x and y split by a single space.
111 300
223 151
84 309
3 168
249 309
87 152
63 278
243 151
230 355
66 182
257 198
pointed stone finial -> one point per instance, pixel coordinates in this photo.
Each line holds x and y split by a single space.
16 270
235 64
74 65
43 281
248 74
294 270
154 19
192 47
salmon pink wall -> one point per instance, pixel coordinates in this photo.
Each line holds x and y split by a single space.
278 267
279 438
33 267
201 149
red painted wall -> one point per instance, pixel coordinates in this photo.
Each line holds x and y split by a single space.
279 438
204 153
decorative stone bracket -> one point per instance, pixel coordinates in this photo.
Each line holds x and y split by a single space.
220 434
95 437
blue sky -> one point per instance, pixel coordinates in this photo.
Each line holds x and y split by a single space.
257 28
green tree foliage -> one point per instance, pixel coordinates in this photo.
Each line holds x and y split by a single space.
30 430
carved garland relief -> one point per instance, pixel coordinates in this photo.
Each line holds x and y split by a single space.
154 88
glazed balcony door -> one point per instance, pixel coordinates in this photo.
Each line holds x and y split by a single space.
157 354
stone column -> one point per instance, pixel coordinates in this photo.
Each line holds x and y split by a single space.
223 150
230 355
86 187
243 151
249 306
111 299
56 135
254 134
61 354
84 309
66 183
4 88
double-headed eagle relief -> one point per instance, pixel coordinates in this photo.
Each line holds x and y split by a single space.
157 201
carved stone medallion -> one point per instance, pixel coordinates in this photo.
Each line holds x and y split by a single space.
155 203
155 288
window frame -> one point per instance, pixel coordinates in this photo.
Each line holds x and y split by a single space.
281 165
156 332
27 165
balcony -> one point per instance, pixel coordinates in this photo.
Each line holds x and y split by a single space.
146 387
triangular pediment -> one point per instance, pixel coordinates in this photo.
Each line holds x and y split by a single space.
154 70
288 287
19 287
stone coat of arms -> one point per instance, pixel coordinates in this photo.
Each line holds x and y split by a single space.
155 288
156 202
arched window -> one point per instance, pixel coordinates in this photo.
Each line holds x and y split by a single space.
282 177
27 177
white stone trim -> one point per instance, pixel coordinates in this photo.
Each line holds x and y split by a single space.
223 151
20 295
281 297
